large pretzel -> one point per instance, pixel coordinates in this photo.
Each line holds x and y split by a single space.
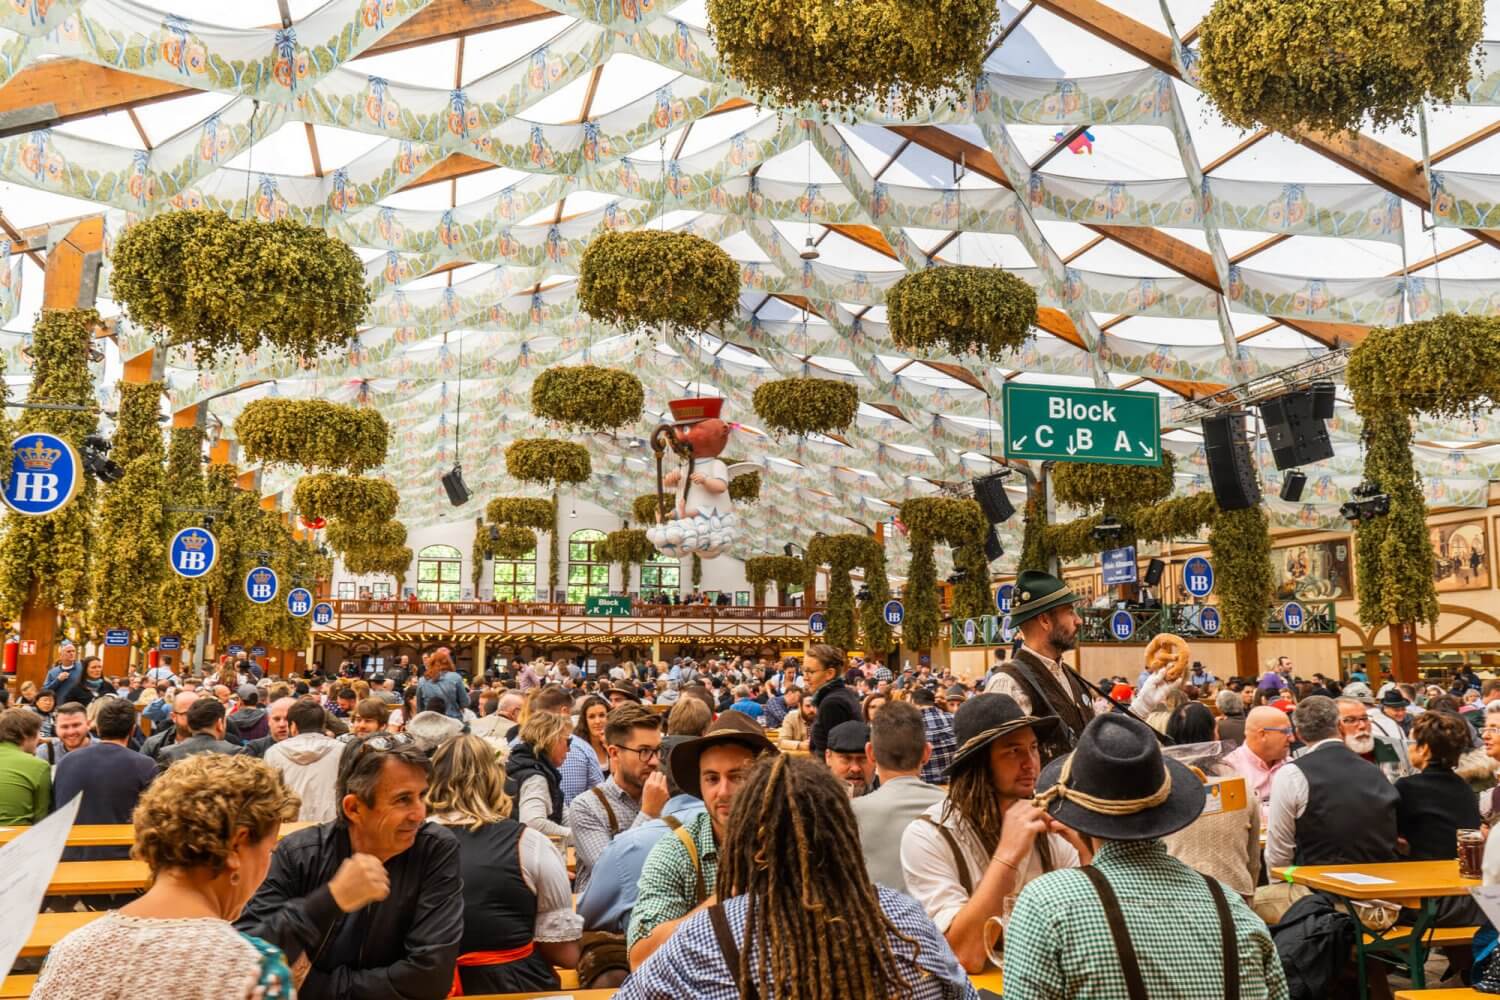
1170 651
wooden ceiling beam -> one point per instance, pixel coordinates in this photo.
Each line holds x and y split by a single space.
64 90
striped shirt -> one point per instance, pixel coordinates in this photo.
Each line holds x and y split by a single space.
939 726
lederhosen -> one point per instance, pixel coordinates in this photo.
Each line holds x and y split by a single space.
1049 698
1130 966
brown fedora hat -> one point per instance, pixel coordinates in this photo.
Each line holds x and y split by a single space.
730 727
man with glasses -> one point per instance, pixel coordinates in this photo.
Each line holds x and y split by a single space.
370 904
1268 739
1356 729
634 793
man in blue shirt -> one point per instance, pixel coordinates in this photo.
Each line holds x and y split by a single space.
743 702
606 904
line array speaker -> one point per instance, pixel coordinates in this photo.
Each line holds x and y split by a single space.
990 492
1231 467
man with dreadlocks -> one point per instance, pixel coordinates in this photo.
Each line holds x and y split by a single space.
986 840
788 931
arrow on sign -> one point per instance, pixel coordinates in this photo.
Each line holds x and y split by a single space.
1020 441
1072 450
1149 451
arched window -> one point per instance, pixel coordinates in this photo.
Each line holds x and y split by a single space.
439 574
660 576
588 573
515 579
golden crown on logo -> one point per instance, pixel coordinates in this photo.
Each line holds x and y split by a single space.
260 576
39 456
194 542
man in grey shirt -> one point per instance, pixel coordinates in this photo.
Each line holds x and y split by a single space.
898 739
633 794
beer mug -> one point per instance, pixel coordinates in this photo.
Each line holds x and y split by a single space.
995 947
1470 854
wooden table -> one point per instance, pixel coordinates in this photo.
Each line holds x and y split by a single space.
15 987
1459 993
548 995
51 928
1413 884
111 834
98 878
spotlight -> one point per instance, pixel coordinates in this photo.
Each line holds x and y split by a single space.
810 250
208 522
96 460
863 595
1107 530
1369 503
958 576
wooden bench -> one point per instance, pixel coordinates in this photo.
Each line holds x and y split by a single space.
110 834
1458 993
1437 937
15 987
98 878
51 928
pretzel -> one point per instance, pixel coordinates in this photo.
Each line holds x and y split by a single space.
1170 651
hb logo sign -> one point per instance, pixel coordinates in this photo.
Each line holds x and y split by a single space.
44 474
193 552
260 584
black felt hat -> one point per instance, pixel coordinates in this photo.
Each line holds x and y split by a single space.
985 718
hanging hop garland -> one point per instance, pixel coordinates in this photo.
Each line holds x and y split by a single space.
643 509
846 552
1329 64
955 522
386 561
313 433
222 285
784 571
745 488
588 397
510 542
981 311
544 460
806 405
344 498
646 279
1113 488
894 54
346 536
627 546
521 512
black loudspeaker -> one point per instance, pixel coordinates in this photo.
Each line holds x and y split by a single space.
453 484
1322 394
1297 437
992 548
1291 486
990 492
1231 468
1153 572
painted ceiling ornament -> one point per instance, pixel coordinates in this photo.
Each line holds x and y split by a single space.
703 521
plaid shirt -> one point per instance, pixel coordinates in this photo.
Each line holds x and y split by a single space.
580 770
691 964
939 726
590 825
1058 945
668 889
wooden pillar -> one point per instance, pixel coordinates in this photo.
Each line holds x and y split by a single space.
1403 654
1247 656
70 282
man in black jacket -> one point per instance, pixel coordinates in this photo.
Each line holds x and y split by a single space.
206 720
371 904
824 673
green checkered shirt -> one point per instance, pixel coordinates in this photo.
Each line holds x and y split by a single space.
668 888
1058 945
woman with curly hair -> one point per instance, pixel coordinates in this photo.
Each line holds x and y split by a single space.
205 828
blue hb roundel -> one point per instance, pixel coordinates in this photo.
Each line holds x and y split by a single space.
1209 621
323 613
895 613
1198 576
971 631
1004 598
1293 615
44 474
261 585
816 623
193 552
298 602
1122 625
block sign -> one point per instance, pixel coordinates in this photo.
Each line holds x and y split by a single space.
117 637
1209 621
1293 615
1122 625
45 472
323 614
611 607
1198 576
299 602
261 585
193 552
895 613
1005 599
817 624
1065 424
1119 566
169 643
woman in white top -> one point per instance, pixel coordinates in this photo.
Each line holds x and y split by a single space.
518 909
532 776
205 828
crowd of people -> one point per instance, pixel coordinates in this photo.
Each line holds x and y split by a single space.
806 827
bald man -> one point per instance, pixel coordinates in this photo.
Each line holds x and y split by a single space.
177 731
1268 741
279 729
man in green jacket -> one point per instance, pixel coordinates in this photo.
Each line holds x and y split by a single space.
25 779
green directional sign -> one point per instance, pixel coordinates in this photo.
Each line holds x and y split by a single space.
1065 424
607 607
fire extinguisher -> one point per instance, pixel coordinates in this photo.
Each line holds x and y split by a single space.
12 653
152 656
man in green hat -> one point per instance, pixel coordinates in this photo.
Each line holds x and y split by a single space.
1036 676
